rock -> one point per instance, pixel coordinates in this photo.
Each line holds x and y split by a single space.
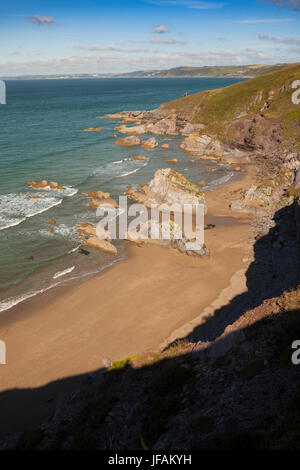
109 202
107 362
51 222
34 197
42 184
297 217
237 168
174 161
49 229
201 183
140 158
60 188
165 146
128 141
102 245
297 180
82 251
93 129
89 231
99 194
172 187
150 143
137 130
204 145
164 156
53 185
190 129
162 127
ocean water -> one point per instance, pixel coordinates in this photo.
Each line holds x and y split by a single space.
42 137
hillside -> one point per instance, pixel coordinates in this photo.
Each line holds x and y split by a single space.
253 114
220 71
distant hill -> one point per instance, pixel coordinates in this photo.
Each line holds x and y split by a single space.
244 71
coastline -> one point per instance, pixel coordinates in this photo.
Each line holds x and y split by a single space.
139 304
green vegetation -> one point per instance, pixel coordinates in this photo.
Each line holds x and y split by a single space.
119 365
268 96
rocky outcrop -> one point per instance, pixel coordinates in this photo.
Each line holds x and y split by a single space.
129 141
150 144
139 158
167 234
44 184
100 198
268 196
93 129
168 187
131 130
202 145
165 146
102 245
190 129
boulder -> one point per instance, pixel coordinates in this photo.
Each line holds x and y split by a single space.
190 129
137 130
34 197
102 245
51 222
93 129
96 202
165 146
150 143
53 185
203 144
99 194
128 141
174 161
139 158
41 184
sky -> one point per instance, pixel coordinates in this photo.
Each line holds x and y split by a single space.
39 37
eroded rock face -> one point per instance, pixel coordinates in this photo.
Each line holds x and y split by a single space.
203 144
128 141
172 187
190 129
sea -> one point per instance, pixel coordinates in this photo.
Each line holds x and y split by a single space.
42 137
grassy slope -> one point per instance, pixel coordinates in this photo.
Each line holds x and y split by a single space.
218 109
222 71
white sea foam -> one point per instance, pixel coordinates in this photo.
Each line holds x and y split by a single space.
219 182
15 208
119 169
12 301
63 273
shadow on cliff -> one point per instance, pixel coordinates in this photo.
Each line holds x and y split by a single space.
274 270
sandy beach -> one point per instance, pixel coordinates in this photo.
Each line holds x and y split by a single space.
141 303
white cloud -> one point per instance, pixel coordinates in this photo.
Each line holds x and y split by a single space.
293 4
160 30
41 20
287 40
111 48
167 41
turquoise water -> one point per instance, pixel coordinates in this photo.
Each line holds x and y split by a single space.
41 137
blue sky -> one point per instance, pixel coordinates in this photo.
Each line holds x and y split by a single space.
90 36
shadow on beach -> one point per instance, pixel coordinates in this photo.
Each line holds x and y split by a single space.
152 385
